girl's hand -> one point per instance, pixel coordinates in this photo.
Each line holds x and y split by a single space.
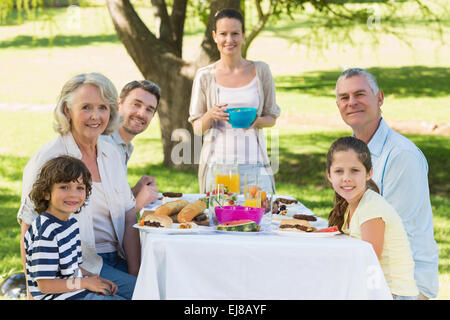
218 112
96 284
112 286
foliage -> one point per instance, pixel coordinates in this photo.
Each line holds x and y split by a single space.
328 19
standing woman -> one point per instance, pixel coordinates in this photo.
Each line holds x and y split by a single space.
87 107
233 81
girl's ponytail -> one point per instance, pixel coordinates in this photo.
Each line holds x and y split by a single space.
372 185
336 216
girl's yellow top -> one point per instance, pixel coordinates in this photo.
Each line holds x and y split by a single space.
396 259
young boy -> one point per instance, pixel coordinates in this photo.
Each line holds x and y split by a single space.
52 242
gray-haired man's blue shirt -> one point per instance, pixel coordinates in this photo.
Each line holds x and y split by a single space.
401 172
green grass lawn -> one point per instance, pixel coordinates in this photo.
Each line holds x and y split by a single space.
301 174
415 83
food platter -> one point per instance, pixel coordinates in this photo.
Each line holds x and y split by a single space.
191 197
174 229
183 208
290 210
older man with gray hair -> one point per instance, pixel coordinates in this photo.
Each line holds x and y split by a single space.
399 169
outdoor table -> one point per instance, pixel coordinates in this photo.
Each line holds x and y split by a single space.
264 266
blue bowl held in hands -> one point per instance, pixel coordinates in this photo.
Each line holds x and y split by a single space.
241 117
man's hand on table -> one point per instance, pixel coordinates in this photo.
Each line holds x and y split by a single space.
145 192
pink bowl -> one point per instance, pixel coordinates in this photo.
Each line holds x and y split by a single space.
229 213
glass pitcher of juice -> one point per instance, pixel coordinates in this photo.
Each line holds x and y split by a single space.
252 198
228 175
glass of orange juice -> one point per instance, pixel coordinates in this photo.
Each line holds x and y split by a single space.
223 178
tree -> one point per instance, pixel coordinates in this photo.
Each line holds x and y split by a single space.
160 57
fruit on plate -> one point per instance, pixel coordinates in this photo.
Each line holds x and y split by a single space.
239 226
186 225
230 202
330 229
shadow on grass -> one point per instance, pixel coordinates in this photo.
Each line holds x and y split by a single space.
29 42
300 166
307 168
409 81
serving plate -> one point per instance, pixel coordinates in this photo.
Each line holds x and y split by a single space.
172 230
320 223
242 233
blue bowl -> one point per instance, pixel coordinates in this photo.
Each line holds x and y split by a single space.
241 117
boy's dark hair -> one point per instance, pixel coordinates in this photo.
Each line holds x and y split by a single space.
146 85
231 14
61 169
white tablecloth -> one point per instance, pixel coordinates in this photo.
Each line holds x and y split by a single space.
210 265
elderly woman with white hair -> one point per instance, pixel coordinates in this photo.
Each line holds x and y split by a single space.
87 108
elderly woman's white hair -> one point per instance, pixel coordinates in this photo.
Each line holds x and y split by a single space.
107 91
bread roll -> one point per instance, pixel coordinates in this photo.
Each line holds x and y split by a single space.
172 207
191 211
157 221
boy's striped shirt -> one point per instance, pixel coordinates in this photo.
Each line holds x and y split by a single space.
53 251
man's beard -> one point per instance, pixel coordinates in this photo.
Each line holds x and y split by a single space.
132 132
128 130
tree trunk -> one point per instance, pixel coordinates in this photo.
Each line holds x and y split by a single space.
159 60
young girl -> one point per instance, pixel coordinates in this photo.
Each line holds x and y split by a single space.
361 212
52 242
